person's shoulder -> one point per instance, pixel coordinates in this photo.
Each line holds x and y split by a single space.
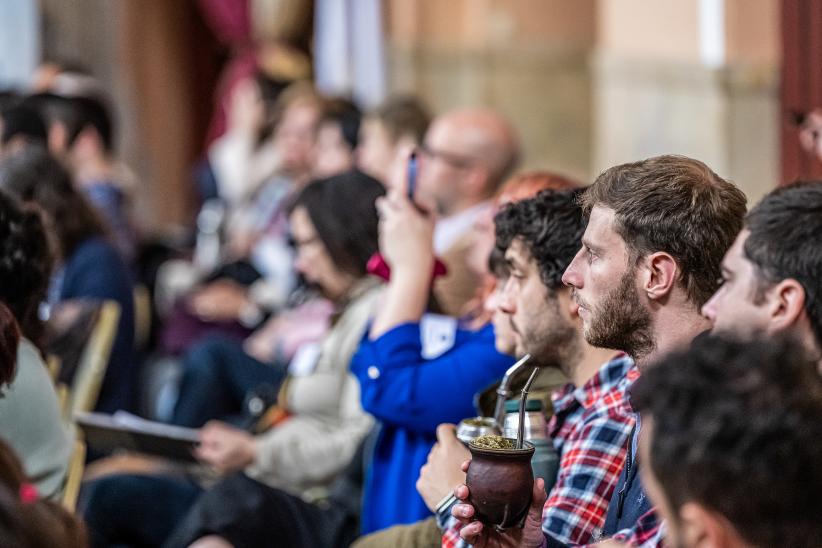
31 379
365 297
97 251
95 262
604 429
612 403
616 378
95 245
105 189
360 307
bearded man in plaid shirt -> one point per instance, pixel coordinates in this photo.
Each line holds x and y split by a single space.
592 422
650 258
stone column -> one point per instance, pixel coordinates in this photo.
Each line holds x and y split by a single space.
527 58
694 77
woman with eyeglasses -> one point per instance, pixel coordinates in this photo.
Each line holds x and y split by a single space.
318 423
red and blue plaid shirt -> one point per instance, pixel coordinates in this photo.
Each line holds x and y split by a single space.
590 430
649 532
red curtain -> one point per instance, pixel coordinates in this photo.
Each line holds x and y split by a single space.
801 82
229 21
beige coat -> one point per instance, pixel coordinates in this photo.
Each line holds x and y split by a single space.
328 423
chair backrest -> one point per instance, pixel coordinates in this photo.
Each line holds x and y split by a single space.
64 400
74 477
53 362
94 360
142 316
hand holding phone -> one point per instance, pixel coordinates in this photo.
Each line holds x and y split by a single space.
377 264
412 176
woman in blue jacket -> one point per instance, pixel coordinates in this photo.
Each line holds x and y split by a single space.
419 370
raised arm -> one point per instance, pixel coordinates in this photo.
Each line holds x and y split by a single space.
406 236
401 388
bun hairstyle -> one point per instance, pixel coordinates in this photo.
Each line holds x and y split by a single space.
27 521
34 176
26 262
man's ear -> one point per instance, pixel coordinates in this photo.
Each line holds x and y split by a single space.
661 273
786 305
703 528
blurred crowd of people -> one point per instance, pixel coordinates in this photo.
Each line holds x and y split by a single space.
355 285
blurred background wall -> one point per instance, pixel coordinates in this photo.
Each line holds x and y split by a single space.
589 83
595 83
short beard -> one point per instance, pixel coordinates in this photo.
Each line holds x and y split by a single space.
555 344
621 322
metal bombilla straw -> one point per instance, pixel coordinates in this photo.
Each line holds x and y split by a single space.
523 398
502 390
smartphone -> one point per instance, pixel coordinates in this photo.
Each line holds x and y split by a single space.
412 176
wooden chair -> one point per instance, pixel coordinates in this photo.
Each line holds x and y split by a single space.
74 476
88 379
63 400
53 363
142 316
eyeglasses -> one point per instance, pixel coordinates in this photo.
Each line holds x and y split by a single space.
296 244
457 160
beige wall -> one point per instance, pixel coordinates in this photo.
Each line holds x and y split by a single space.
528 58
593 83
483 24
753 31
653 94
588 83
139 51
659 29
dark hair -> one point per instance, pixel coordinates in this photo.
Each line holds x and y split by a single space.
93 113
676 205
785 228
270 88
737 428
22 121
75 114
403 116
8 98
55 108
343 213
497 265
9 340
36 523
550 225
33 175
345 114
25 264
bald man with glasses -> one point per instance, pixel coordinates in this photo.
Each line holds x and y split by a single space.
465 157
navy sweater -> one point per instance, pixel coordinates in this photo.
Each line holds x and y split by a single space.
96 271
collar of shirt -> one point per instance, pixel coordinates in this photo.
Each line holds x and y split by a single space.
450 229
610 376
